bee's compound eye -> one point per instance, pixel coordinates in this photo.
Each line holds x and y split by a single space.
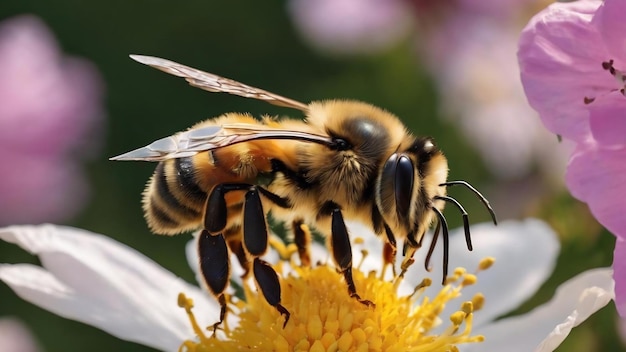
397 182
404 179
341 144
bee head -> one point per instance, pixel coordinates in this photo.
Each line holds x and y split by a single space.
363 136
407 185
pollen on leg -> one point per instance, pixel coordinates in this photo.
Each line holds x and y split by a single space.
324 316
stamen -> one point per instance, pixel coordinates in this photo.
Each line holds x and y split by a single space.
478 301
284 251
326 318
486 263
187 304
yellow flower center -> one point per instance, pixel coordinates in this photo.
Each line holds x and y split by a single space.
325 318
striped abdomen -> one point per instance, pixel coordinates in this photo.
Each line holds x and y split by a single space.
175 197
173 201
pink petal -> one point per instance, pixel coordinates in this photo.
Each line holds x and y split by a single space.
561 55
37 189
609 20
619 275
608 124
351 26
596 176
15 337
59 98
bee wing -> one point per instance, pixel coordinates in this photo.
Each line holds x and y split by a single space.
197 140
215 83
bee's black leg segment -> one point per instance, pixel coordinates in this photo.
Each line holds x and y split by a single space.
255 239
390 250
446 244
216 213
215 267
222 301
390 236
342 253
216 209
431 249
302 238
255 235
267 279
282 202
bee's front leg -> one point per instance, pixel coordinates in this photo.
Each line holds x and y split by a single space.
302 239
342 250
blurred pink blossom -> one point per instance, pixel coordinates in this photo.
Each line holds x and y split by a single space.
572 58
16 337
481 93
351 26
447 25
51 113
470 47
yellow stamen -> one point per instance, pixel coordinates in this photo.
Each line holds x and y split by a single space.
325 318
486 263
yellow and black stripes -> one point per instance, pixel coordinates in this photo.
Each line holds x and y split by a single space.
173 201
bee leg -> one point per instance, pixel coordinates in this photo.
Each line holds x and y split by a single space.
236 247
267 279
302 238
255 239
215 268
216 209
389 251
342 253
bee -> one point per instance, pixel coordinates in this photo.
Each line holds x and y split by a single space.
347 160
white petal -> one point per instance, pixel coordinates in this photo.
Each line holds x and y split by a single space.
95 280
544 328
525 252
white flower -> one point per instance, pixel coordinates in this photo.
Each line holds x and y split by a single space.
526 254
93 279
100 282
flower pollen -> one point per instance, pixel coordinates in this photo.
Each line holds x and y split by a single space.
325 318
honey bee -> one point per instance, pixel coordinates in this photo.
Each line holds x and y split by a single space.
346 160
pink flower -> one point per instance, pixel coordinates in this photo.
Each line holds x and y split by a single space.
572 58
470 47
50 109
351 26
15 336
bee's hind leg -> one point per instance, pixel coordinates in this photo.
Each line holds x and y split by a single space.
214 258
215 268
255 238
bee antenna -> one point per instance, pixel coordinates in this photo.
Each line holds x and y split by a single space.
446 239
478 194
466 226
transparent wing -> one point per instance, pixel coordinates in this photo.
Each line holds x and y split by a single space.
215 83
197 140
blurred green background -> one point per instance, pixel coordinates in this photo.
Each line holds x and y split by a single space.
255 43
